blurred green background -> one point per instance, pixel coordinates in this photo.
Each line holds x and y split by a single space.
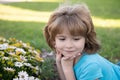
26 20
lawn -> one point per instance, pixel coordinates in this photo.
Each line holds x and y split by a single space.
26 20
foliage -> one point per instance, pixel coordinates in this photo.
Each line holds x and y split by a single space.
19 61
49 70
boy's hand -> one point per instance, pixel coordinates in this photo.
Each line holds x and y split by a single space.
58 56
67 62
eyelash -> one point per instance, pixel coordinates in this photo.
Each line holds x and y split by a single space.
76 38
62 39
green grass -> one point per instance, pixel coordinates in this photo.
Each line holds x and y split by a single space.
36 6
32 31
27 31
110 42
103 8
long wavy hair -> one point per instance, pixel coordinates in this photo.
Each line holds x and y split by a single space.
77 20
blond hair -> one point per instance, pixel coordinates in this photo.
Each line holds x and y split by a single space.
77 20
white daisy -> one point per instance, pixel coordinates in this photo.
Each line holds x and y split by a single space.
31 50
31 78
20 50
27 64
37 79
22 79
23 58
5 58
3 46
23 75
12 47
11 53
18 64
37 68
2 39
25 45
9 69
35 52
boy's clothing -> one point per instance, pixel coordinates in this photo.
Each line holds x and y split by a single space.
118 63
94 66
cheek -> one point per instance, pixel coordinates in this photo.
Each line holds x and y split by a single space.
81 45
58 44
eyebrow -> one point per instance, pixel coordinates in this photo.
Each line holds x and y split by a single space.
60 36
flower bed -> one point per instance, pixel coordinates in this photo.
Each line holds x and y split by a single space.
19 61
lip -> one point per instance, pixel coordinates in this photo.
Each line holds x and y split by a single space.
69 51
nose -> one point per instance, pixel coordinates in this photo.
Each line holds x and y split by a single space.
69 44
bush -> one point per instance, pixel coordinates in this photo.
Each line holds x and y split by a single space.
49 70
19 61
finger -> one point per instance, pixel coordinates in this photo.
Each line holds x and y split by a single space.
57 51
58 54
73 57
66 58
78 54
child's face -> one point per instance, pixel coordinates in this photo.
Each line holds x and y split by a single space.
69 45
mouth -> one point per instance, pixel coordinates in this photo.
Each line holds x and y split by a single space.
69 51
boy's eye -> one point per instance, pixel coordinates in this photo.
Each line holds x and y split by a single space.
76 38
62 39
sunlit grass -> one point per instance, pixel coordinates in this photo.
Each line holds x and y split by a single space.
11 13
32 0
48 0
100 22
